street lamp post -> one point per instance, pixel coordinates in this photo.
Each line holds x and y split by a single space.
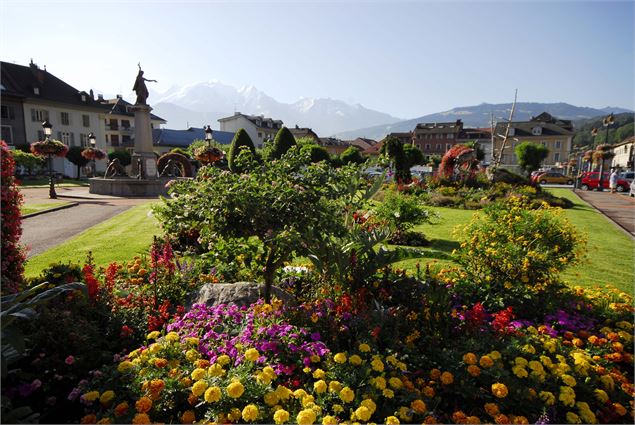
607 122
209 135
48 130
92 141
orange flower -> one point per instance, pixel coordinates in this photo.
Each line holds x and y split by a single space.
435 373
501 419
143 405
160 363
121 409
492 409
459 417
500 390
447 378
89 419
141 418
188 417
473 370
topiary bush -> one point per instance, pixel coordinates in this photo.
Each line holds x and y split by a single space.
13 255
241 138
123 155
283 141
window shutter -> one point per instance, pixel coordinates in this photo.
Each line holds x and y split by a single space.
72 139
33 115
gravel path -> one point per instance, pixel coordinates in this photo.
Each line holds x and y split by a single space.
45 231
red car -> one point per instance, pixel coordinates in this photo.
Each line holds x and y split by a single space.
591 180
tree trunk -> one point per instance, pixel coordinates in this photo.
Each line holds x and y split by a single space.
78 172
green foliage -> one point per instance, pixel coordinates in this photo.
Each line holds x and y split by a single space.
512 251
315 152
480 153
125 158
393 149
74 155
413 156
27 160
283 141
351 155
241 138
530 155
402 212
621 129
184 152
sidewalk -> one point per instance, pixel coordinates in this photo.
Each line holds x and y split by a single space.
620 208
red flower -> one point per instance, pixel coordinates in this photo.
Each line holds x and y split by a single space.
502 319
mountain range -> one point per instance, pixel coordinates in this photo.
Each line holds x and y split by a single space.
204 103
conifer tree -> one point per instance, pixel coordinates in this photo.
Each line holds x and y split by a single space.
241 138
283 141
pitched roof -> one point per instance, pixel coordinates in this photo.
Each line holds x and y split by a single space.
299 132
440 127
362 143
547 117
331 141
255 119
26 80
550 127
121 107
184 138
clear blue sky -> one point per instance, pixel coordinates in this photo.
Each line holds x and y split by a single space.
403 58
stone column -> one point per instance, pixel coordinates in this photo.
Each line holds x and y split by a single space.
143 153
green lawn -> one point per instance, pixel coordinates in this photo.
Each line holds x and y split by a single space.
118 239
610 258
44 182
33 208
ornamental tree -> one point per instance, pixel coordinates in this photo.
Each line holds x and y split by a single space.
530 155
316 152
27 160
123 155
413 155
279 203
75 156
393 148
351 155
13 255
283 141
241 138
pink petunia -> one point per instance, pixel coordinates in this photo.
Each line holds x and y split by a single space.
69 360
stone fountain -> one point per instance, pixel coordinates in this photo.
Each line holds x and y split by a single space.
144 181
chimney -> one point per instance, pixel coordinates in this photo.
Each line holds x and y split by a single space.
100 97
118 96
92 95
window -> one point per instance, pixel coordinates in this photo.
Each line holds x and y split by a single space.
438 146
86 120
125 124
125 139
113 125
66 137
556 157
36 90
8 112
114 139
7 134
448 146
428 147
557 144
83 140
451 136
65 119
536 131
39 115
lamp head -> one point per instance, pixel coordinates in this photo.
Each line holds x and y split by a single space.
208 133
92 139
47 127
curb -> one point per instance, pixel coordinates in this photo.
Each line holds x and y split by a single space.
615 223
62 207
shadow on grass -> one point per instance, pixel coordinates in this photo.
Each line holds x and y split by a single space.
440 249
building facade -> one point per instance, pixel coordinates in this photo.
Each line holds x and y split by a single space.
436 138
165 139
624 154
555 134
304 132
258 127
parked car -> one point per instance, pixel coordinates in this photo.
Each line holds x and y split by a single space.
632 191
553 177
591 180
628 175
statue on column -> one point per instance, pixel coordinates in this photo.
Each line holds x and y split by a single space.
140 87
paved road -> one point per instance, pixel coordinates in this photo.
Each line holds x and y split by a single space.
45 231
620 208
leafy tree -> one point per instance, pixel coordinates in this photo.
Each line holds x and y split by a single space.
74 155
241 138
530 155
393 148
434 160
624 132
480 153
283 141
402 213
351 155
27 160
413 155
279 203
123 155
316 152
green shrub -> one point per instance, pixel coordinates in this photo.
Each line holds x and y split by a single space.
123 155
402 212
444 201
316 152
530 155
283 141
241 138
351 155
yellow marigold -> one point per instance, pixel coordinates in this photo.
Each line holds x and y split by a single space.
567 396
271 398
601 395
347 395
235 389
154 348
280 416
143 405
88 419
105 420
212 394
388 393
521 361
340 358
492 409
250 413
172 337
355 360
501 419
91 396
198 374
192 355
472 420
473 370
141 418
469 358
364 348
308 401
499 390
283 392
160 363
269 372
572 418
299 393
223 359
107 397
391 420
153 335
252 354
419 406
379 382
547 397
495 355
320 386
319 374
125 366
447 378
306 417
520 420
215 370
199 388
193 341
486 362
377 365
335 386
362 413
568 380
188 417
607 382
520 371
329 420
369 404
435 374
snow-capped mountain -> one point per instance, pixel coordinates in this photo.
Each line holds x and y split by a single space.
200 104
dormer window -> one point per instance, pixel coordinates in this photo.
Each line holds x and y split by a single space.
536 131
83 98
36 90
512 131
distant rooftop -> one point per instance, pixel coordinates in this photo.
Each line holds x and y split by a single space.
184 138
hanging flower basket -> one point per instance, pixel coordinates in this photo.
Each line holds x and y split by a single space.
588 155
603 152
93 154
49 147
207 155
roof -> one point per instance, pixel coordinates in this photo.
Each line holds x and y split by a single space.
19 80
121 107
299 132
547 117
626 141
374 149
362 143
550 127
184 138
440 127
253 118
